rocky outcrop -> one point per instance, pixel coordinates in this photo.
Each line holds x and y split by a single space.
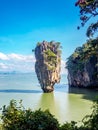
83 66
87 77
47 66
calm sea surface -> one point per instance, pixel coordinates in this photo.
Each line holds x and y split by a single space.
64 103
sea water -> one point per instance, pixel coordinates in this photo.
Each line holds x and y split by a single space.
64 103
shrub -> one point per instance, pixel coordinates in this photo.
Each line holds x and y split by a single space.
69 126
91 121
17 118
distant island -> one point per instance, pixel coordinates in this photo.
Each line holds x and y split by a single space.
48 64
9 72
82 65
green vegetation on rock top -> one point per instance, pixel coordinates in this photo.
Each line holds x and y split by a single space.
51 52
84 53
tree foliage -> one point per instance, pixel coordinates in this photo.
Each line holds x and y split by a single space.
88 10
90 122
82 54
15 117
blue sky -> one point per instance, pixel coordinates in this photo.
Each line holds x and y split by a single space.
23 23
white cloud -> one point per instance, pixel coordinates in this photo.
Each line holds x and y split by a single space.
16 62
23 63
21 58
15 56
3 56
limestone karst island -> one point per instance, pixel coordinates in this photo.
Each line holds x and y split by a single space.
82 65
48 64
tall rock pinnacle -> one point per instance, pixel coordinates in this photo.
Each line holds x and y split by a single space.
47 66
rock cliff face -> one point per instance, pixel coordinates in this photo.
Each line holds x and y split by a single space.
87 77
47 66
83 66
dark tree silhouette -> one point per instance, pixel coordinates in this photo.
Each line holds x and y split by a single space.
88 10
